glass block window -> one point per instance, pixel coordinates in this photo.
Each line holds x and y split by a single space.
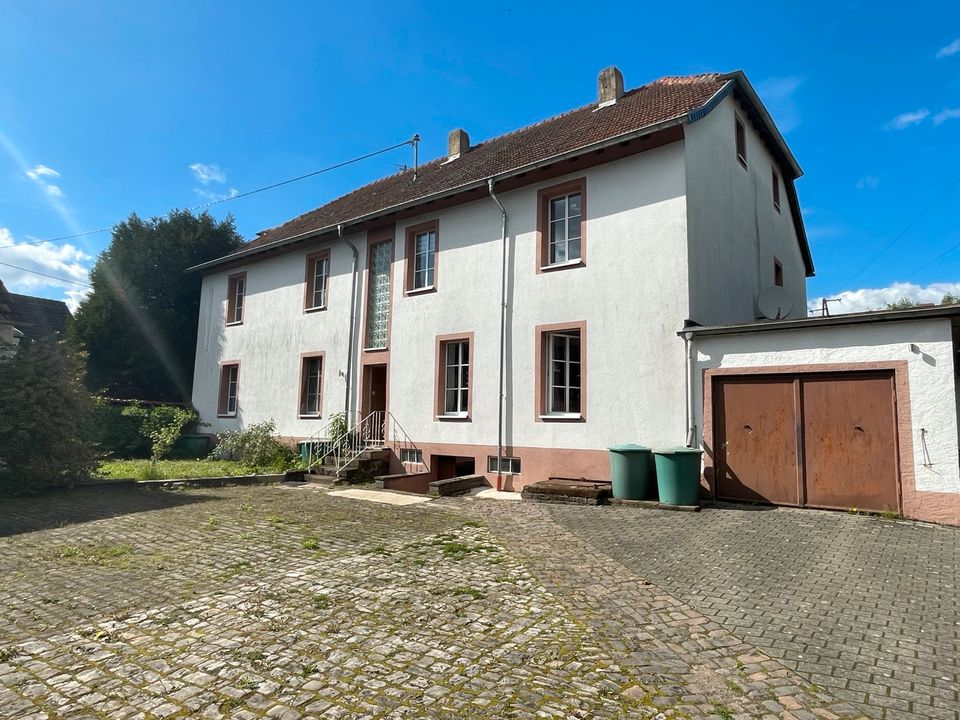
378 295
564 228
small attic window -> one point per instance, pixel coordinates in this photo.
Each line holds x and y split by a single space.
777 273
776 189
741 132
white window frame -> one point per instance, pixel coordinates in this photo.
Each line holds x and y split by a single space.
424 278
566 221
417 455
461 368
568 336
320 281
238 285
305 410
512 465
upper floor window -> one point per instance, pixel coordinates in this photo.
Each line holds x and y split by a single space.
741 142
561 386
236 290
378 295
422 256
561 225
454 362
318 277
311 385
229 376
777 273
776 189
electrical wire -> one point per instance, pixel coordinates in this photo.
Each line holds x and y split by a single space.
904 231
202 206
52 277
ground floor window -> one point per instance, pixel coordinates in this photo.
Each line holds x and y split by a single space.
454 361
507 465
229 376
311 385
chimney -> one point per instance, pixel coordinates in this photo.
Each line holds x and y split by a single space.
610 85
457 144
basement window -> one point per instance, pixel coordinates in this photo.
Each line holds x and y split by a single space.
508 465
411 455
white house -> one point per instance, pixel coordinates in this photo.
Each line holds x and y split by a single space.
512 309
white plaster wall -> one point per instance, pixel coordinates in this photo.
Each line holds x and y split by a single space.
632 293
931 376
734 229
275 331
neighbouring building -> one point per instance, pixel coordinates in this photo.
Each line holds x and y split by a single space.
512 309
25 318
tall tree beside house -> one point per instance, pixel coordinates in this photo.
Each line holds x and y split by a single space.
139 324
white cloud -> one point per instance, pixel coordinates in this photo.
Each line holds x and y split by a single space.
206 174
54 190
42 171
777 93
868 182
877 298
907 119
946 114
66 261
211 196
948 50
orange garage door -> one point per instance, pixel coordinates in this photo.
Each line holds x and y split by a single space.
814 440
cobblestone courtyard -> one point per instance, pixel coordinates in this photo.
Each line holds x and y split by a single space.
285 602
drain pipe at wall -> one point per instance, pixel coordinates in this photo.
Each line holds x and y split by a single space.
353 321
503 330
688 383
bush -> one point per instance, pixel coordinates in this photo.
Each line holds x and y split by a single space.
259 447
162 425
113 433
43 404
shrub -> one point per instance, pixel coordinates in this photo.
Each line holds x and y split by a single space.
113 433
162 425
44 403
258 446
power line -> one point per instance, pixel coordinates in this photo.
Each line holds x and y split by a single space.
904 231
412 141
936 259
52 277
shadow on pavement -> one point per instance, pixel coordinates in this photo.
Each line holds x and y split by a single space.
69 507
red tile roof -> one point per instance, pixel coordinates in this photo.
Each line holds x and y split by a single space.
657 102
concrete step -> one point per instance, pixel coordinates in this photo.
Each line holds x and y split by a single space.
320 479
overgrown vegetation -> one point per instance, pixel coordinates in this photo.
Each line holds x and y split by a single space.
43 403
258 447
162 425
114 434
169 469
906 303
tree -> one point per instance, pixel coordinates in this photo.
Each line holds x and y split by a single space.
44 405
903 303
950 299
139 325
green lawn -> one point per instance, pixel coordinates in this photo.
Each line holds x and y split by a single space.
170 469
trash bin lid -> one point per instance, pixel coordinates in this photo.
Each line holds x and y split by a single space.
629 447
678 450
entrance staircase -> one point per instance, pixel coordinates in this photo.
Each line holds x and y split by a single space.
355 452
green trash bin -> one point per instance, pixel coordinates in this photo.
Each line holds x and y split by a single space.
678 475
630 471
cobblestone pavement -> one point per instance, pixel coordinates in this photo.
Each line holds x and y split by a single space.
867 609
278 602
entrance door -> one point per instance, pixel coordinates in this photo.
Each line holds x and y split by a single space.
815 440
374 399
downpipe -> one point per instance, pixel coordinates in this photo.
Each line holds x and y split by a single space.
353 321
503 330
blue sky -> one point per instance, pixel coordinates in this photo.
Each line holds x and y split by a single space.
112 107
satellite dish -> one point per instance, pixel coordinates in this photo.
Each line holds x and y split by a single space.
774 303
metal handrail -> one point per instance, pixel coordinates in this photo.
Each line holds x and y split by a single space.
375 430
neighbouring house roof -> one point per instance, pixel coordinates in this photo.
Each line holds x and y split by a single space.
6 306
664 102
38 318
873 316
